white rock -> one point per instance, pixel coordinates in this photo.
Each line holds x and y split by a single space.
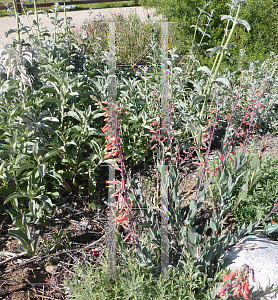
260 254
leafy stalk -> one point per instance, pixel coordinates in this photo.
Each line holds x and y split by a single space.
207 89
17 20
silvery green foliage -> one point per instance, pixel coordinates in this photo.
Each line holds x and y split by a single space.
15 62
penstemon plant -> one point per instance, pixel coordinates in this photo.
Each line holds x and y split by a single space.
220 50
53 140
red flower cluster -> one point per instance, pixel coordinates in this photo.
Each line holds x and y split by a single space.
156 132
237 281
112 148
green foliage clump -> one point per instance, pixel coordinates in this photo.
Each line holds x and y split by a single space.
257 44
135 282
261 197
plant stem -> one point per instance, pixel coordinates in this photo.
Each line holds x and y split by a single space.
207 93
17 20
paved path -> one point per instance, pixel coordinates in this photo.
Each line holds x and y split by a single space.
78 17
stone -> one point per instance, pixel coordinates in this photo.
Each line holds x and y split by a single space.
49 269
260 253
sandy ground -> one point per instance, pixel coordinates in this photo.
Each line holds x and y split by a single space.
78 18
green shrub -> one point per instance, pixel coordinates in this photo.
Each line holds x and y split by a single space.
135 282
257 44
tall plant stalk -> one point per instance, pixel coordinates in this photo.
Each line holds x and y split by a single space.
218 61
17 20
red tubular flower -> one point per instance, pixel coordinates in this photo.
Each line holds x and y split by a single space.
245 289
105 128
123 217
126 238
122 208
108 155
108 146
115 153
222 291
112 182
228 276
236 291
115 195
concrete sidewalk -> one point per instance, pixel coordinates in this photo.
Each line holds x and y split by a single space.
78 18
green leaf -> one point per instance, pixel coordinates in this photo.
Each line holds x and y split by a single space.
145 225
193 205
223 80
199 139
22 237
35 149
209 254
35 240
226 17
19 158
51 154
191 250
196 99
243 193
255 163
215 50
272 229
24 166
245 24
7 33
46 200
51 119
51 100
42 170
214 226
19 194
250 228
97 115
48 89
73 114
92 186
205 69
